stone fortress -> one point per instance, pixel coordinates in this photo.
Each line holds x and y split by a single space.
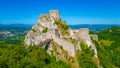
36 35
55 14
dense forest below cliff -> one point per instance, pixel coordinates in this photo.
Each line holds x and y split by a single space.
109 47
13 53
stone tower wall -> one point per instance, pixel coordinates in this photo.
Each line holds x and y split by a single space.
83 33
55 14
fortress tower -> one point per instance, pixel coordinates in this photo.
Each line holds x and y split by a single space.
83 34
55 14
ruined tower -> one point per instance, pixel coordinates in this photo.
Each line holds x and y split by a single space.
55 14
83 34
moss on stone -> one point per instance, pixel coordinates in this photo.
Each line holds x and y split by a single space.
73 41
63 27
33 30
45 30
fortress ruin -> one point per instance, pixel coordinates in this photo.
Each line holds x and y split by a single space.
55 14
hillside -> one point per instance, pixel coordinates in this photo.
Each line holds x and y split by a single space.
109 47
52 44
53 34
16 55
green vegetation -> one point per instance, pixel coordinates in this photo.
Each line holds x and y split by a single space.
106 42
63 27
109 51
13 40
111 34
61 47
13 53
84 46
33 30
73 41
61 24
91 32
45 30
17 56
65 38
85 59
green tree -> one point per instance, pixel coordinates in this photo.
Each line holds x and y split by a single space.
85 59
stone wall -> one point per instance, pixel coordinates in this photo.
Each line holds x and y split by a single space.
94 37
68 46
36 35
55 14
83 34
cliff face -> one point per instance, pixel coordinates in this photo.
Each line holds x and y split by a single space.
47 29
59 40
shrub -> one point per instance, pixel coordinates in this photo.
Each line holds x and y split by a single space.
45 30
33 30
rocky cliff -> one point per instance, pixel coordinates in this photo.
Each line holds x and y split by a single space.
58 39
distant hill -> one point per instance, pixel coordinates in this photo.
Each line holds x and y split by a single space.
14 25
12 30
93 27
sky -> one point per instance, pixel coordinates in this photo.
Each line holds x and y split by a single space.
73 11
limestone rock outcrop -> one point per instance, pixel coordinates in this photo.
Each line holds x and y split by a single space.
58 39
47 29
